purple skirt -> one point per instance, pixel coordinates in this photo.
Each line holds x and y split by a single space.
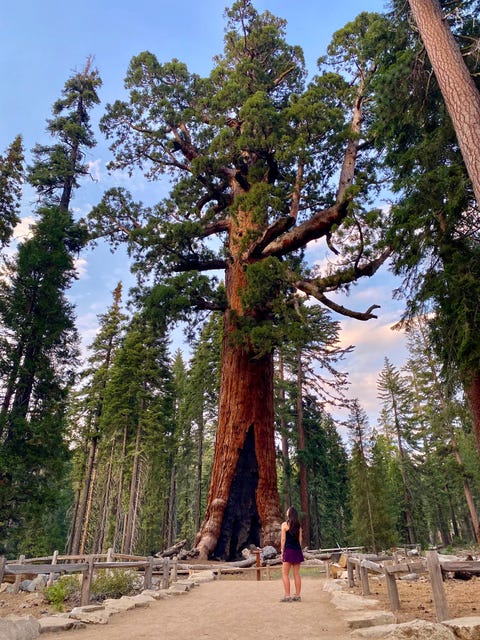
293 556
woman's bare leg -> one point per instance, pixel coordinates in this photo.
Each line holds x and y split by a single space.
286 578
297 579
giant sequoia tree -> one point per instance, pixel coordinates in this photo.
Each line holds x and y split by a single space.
260 166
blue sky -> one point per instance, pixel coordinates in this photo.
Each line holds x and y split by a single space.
43 43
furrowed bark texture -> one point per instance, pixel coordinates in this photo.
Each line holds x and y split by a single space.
461 96
243 504
472 389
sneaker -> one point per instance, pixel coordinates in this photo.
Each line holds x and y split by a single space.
296 599
286 599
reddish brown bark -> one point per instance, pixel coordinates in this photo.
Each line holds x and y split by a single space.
472 389
245 405
246 402
461 96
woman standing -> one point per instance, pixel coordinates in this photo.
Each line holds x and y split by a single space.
292 556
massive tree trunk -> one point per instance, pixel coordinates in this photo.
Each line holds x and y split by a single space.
461 96
472 389
243 505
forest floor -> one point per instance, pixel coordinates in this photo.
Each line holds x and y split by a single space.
244 608
416 601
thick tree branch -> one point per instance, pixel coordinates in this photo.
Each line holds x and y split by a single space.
318 286
316 227
195 264
272 233
338 308
215 227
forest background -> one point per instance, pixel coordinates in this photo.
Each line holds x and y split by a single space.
140 484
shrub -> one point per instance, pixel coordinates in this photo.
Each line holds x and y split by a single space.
114 584
62 589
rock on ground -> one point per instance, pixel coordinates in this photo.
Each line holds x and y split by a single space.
414 630
19 628
465 628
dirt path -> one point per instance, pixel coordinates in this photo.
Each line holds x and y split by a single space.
228 610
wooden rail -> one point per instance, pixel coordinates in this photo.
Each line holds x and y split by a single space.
390 569
87 565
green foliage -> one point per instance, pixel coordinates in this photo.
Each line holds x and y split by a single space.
38 348
432 225
61 590
114 583
11 174
326 460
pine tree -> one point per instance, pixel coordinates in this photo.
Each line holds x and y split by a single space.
139 427
11 174
393 392
326 463
39 348
309 361
461 95
86 413
433 224
362 500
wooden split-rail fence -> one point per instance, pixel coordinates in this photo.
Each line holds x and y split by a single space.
168 568
390 569
87 565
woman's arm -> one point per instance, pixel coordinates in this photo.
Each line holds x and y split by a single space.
282 537
300 536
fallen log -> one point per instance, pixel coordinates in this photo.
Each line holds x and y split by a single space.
171 551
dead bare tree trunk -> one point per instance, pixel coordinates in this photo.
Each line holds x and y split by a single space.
119 520
287 468
133 498
302 467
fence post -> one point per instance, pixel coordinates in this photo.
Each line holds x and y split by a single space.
147 580
87 582
392 590
174 570
257 564
364 580
51 576
438 591
351 579
165 573
3 562
18 579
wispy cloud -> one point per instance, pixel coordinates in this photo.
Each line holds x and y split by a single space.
374 341
81 267
23 230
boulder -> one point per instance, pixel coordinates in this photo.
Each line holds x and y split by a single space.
413 630
50 624
467 628
91 614
375 618
268 553
346 601
19 628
